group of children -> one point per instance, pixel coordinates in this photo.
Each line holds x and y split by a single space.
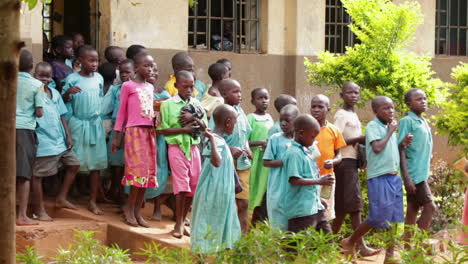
298 172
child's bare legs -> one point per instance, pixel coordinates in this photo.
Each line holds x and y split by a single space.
94 186
22 191
180 214
158 201
61 200
242 206
116 192
138 205
424 220
187 205
129 208
364 250
38 199
349 243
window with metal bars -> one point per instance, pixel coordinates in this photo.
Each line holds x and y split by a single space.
337 33
47 19
228 25
451 32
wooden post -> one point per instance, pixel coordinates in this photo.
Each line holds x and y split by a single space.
10 46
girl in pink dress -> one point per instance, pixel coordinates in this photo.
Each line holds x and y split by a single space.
136 118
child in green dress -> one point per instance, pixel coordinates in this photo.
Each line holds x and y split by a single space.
215 224
261 122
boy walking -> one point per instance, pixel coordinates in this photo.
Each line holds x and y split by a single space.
384 184
29 103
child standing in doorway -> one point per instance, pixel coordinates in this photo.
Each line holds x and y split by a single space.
260 122
84 90
62 46
136 117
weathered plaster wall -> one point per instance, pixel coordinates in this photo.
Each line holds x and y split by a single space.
31 30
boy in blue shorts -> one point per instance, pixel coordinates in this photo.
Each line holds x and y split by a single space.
384 185
54 148
416 160
29 103
304 206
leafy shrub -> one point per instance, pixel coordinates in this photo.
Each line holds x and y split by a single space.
378 64
452 122
29 257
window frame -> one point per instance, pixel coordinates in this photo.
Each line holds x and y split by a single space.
351 40
238 26
448 28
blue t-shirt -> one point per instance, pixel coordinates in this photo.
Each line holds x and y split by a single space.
50 133
418 155
302 200
28 98
388 160
240 134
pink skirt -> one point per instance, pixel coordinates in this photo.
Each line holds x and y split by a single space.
140 157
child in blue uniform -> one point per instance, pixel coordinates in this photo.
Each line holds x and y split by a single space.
304 207
84 90
215 225
278 145
384 185
29 106
54 148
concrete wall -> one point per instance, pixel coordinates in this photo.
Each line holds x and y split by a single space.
31 30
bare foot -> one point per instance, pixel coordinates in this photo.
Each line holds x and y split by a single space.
25 221
63 203
389 256
94 208
176 234
43 216
178 231
156 217
141 221
187 222
129 217
365 251
348 248
186 232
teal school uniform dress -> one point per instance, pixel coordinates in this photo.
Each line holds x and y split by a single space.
302 200
111 104
163 164
85 123
418 154
201 89
50 132
215 224
276 128
385 191
278 184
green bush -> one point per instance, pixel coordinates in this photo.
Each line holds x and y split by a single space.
379 64
454 117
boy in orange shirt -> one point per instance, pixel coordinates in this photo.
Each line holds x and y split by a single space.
329 142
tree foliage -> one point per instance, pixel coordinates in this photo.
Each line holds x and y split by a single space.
378 63
453 119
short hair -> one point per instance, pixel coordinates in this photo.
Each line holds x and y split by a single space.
139 57
179 59
256 90
349 84
25 61
322 98
134 50
225 61
43 64
227 84
184 75
216 71
59 41
83 50
282 100
222 112
74 34
109 50
379 100
128 61
290 109
107 70
409 94
306 121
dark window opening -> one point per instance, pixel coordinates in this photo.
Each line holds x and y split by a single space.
451 32
338 36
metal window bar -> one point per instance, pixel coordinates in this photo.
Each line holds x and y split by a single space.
246 32
337 33
444 44
47 20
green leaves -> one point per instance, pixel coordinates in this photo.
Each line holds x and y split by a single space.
33 3
378 64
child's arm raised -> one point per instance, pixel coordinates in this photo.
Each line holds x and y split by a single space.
379 145
324 180
215 157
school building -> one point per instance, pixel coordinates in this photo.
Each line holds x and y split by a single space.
266 40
